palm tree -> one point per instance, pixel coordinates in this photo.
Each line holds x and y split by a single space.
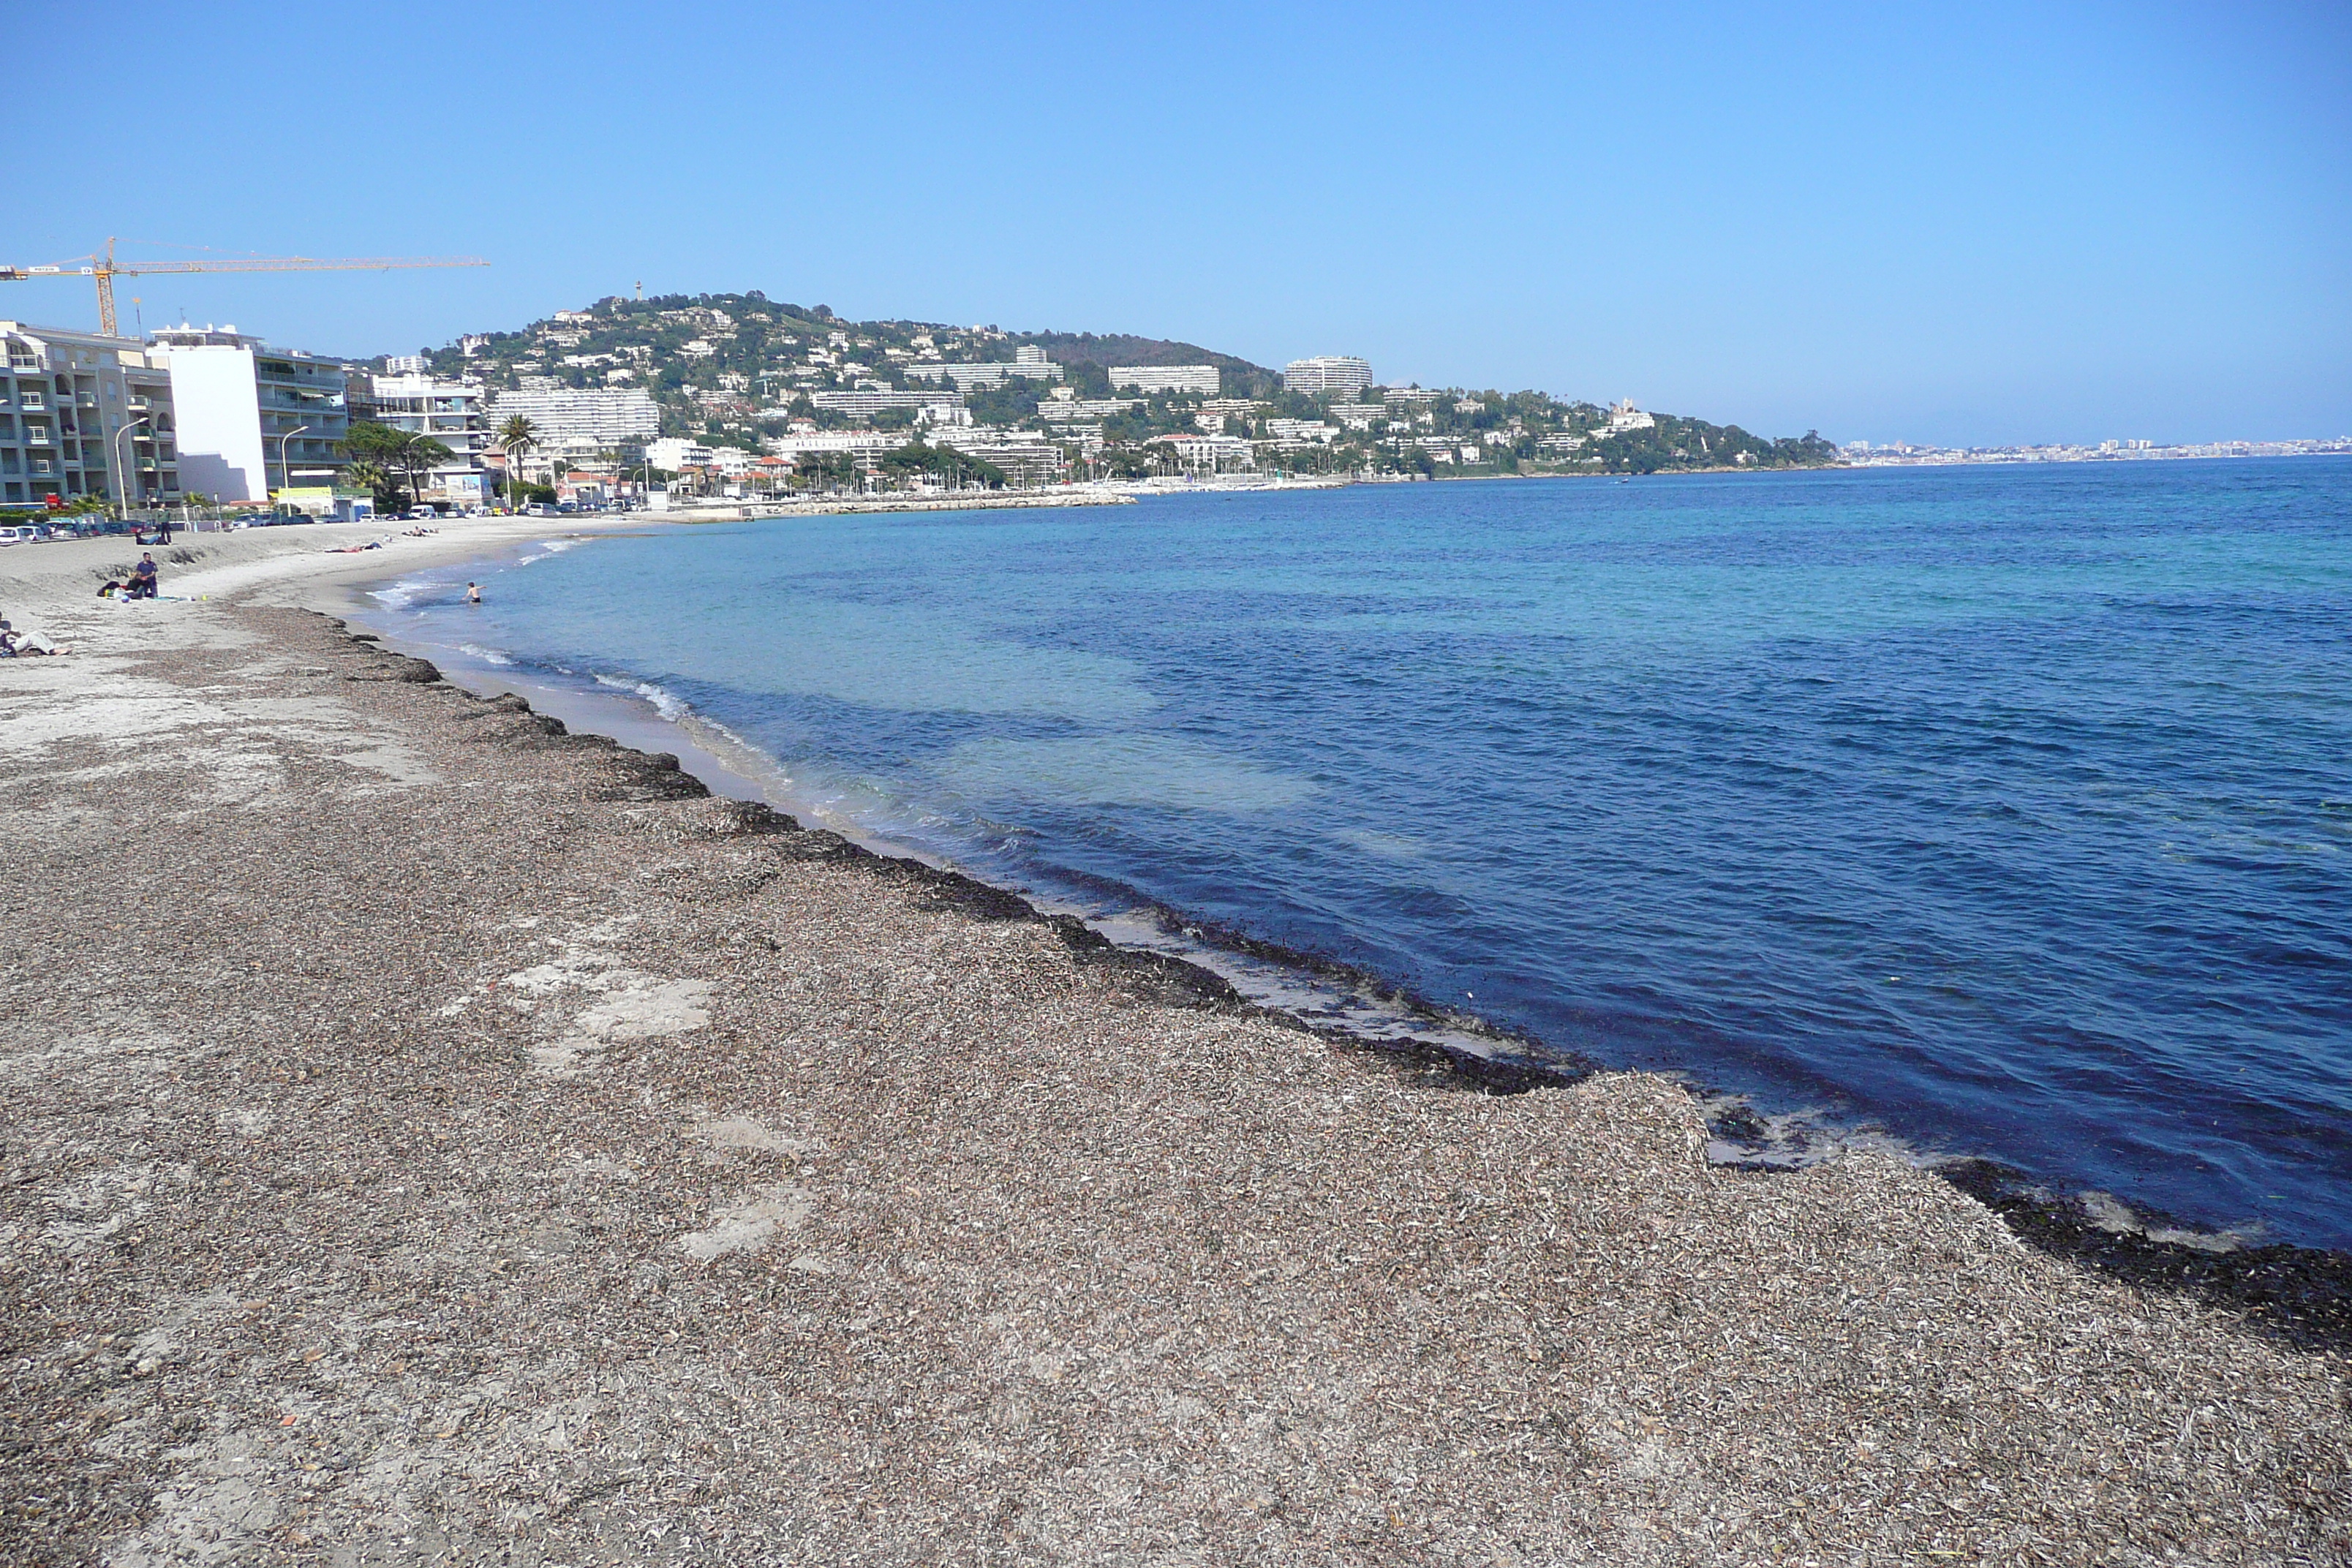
517 435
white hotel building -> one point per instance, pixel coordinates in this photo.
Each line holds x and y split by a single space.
1342 373
1165 378
615 417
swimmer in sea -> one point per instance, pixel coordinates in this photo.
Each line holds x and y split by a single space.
473 593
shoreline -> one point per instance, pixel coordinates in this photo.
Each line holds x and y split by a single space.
1338 1001
1362 1009
487 1128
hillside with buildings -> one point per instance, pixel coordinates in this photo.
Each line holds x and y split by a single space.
738 394
753 393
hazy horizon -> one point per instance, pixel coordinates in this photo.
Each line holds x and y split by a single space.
1957 227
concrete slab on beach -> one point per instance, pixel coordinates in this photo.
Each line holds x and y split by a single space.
426 1136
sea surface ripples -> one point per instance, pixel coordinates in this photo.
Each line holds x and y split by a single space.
2006 810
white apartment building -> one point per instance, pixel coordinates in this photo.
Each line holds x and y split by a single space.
450 412
1025 457
870 402
858 442
1327 373
675 454
616 416
1300 432
1148 379
252 419
82 414
1209 454
1028 361
1065 404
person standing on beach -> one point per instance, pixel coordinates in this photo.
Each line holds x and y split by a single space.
473 593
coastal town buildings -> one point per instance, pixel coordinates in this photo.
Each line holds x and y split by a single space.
1151 379
252 419
1341 373
83 414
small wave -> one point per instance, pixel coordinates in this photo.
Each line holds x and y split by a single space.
548 547
487 655
401 594
669 707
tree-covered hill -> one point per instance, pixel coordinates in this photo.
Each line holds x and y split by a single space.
737 368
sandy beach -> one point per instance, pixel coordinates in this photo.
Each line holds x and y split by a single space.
429 1136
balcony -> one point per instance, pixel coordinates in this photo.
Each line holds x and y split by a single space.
35 403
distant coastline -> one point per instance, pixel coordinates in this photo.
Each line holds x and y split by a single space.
1902 455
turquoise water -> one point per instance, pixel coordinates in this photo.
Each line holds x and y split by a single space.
2006 810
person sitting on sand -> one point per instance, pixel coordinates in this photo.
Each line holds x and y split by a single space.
143 576
14 644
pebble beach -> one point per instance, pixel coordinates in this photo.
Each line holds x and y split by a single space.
428 1135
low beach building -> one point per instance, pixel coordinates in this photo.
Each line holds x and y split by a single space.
1209 454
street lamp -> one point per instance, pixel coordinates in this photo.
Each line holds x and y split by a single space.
121 474
285 474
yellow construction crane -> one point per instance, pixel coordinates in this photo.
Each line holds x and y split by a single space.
106 269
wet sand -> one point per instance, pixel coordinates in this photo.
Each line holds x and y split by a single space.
426 1136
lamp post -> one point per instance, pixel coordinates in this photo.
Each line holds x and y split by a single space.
122 475
284 473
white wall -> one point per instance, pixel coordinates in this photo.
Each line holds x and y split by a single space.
219 423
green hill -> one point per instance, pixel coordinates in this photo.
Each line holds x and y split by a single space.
729 369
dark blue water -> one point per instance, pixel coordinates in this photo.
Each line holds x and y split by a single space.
2007 809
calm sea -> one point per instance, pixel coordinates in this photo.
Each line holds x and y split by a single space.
2006 810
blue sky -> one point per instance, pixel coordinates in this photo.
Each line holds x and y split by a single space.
1958 223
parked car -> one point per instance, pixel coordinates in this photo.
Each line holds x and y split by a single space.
19 533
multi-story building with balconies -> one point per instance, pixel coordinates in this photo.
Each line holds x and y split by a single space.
1342 373
451 413
82 414
253 419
